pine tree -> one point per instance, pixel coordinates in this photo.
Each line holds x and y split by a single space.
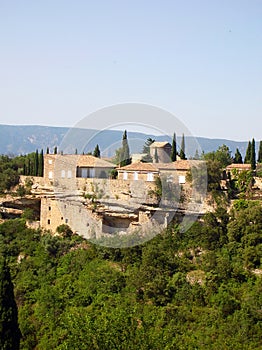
238 157
124 152
96 152
9 329
174 149
182 148
259 159
41 164
248 153
253 155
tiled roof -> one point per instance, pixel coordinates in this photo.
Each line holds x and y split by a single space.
148 167
155 167
239 166
160 144
83 160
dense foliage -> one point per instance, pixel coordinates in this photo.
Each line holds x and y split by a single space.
199 289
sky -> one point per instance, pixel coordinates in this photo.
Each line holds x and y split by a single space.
62 60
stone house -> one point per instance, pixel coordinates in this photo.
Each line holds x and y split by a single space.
71 166
174 171
138 171
163 151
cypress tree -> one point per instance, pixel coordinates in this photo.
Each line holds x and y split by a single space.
47 150
253 155
156 156
36 163
173 150
96 152
55 150
238 157
182 148
248 153
259 159
124 152
9 329
41 164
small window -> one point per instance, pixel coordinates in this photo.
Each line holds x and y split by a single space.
182 179
69 174
66 221
63 174
49 208
150 177
125 175
62 218
48 222
50 175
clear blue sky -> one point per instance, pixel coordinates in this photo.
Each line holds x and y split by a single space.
200 60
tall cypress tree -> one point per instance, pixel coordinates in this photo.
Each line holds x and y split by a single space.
96 152
47 150
41 164
259 159
248 153
125 152
174 149
9 329
36 163
55 150
156 156
253 155
182 148
238 157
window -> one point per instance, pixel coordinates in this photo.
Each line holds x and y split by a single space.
66 221
182 179
92 172
48 222
69 174
50 175
49 208
63 174
150 177
125 175
135 175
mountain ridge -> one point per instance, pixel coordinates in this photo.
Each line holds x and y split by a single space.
23 139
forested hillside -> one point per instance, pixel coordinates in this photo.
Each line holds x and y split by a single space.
201 289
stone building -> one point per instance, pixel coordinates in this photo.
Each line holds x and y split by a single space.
161 151
71 166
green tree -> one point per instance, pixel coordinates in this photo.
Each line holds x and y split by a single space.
96 152
41 164
47 150
146 149
259 159
253 155
156 156
248 153
174 149
223 156
55 150
9 329
36 163
125 158
182 153
238 157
